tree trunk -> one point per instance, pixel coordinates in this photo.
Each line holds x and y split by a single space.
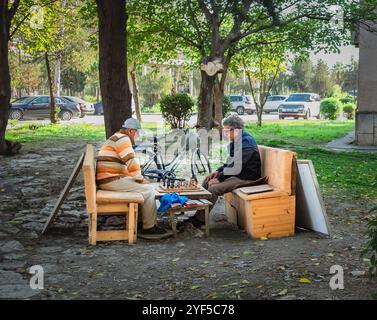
219 92
51 89
205 119
5 89
57 75
97 94
217 101
116 95
135 91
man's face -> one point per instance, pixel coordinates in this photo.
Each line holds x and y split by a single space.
133 134
230 133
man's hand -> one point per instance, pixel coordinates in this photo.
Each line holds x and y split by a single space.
213 181
211 176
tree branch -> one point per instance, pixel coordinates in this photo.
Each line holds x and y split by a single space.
13 9
27 16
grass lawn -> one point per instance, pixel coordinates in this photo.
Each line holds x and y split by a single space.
353 173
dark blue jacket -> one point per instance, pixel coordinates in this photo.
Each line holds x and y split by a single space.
251 163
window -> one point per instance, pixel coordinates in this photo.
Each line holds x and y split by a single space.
299 97
40 100
58 100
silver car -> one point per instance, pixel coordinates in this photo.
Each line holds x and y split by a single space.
86 107
273 102
242 104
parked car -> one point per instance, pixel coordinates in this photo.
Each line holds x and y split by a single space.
242 104
37 107
85 107
273 102
98 107
300 105
21 99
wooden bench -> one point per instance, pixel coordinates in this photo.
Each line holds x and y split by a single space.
101 202
271 213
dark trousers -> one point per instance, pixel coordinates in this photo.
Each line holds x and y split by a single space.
221 188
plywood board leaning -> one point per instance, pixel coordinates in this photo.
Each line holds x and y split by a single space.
64 193
310 208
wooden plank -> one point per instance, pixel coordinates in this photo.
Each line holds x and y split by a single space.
112 207
112 235
64 193
131 223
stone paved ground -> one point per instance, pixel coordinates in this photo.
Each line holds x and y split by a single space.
228 265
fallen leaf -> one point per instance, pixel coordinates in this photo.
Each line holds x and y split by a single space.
304 280
195 286
283 292
330 254
235 257
175 259
263 238
245 282
246 253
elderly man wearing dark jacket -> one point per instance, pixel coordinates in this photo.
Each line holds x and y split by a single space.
242 167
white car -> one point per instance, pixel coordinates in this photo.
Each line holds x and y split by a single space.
86 107
242 104
300 105
273 102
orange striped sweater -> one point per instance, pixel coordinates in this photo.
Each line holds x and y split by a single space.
117 159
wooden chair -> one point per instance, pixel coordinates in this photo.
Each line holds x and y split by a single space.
272 213
101 202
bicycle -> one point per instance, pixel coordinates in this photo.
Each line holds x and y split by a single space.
199 164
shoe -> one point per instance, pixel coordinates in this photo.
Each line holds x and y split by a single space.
195 222
154 233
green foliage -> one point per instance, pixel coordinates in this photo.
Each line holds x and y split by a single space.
321 82
153 109
371 246
336 92
90 98
152 87
347 99
330 108
349 110
73 80
226 105
177 109
302 71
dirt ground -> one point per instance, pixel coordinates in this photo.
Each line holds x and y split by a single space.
227 265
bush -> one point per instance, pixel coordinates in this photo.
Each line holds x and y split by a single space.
176 109
226 106
330 108
89 98
349 110
154 109
347 99
336 92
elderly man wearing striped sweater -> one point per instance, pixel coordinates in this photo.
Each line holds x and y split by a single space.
118 169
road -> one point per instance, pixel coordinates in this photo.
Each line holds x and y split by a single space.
146 117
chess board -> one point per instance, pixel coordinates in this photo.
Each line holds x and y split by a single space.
178 189
179 186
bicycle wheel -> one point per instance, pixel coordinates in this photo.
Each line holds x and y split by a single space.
200 166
